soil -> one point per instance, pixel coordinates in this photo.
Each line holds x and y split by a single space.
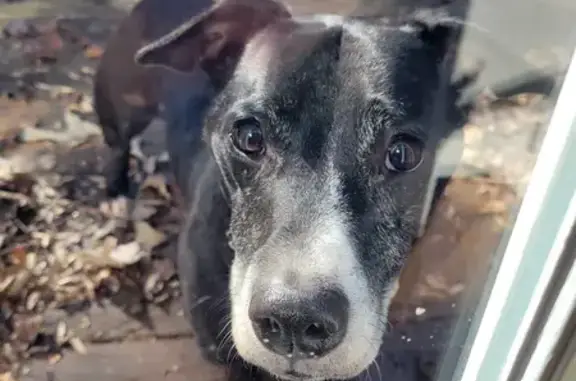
86 295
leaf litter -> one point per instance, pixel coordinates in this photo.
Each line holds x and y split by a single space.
61 248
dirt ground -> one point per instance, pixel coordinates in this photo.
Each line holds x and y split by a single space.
84 295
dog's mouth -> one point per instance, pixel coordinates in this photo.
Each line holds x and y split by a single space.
293 375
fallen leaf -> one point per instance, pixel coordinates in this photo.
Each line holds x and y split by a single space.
19 256
6 281
152 286
142 211
6 377
127 254
54 359
32 300
61 333
27 327
157 182
93 51
78 345
147 236
117 207
494 207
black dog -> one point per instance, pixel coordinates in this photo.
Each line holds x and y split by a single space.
126 95
306 186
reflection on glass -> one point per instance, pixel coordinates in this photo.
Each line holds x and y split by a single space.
84 286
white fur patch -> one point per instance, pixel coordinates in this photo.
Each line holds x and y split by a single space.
253 66
328 19
325 252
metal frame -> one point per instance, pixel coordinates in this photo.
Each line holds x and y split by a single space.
532 254
553 330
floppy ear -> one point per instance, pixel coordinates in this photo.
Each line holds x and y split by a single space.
435 28
213 40
440 33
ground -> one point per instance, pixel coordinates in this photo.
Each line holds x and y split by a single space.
84 295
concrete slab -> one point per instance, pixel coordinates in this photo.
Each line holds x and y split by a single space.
168 360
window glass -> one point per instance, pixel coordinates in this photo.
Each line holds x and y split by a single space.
322 189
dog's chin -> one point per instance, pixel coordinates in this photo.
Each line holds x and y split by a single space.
311 370
295 376
295 373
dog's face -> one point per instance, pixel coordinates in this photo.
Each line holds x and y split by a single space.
324 137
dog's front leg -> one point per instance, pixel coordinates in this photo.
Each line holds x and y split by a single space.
203 265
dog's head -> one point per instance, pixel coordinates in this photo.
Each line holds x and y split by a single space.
325 137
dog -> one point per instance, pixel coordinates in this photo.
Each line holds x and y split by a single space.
305 172
126 96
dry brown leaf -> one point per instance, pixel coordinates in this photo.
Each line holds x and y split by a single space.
152 285
54 359
32 300
93 51
147 236
456 289
61 333
6 281
6 377
142 211
127 254
78 345
19 256
473 134
436 281
27 327
117 207
157 182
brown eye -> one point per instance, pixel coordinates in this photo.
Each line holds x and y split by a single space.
247 136
404 154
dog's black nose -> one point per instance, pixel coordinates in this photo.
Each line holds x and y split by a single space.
298 325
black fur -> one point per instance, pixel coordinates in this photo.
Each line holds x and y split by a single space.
127 95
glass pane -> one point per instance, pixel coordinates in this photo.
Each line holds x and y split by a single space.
370 217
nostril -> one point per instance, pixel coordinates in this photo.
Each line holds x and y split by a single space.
270 325
317 331
275 334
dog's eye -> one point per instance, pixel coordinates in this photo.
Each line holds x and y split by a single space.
404 154
247 136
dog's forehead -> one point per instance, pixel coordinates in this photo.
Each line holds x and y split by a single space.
320 76
367 49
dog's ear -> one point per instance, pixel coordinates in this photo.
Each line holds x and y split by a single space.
213 40
435 28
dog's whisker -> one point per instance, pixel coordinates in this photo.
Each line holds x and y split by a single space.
225 331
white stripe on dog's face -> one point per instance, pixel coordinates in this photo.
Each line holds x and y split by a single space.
325 253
